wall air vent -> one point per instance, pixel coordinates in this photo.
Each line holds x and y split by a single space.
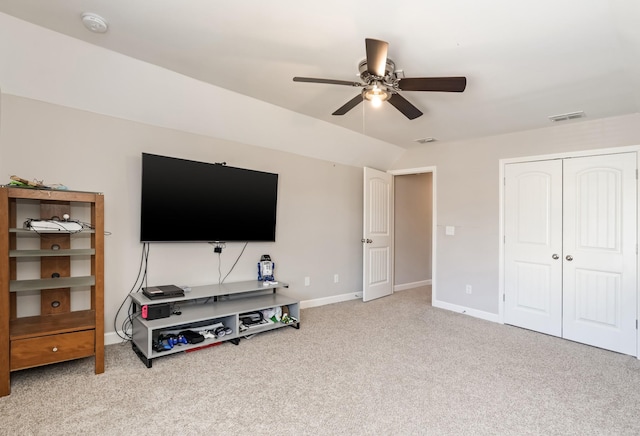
569 116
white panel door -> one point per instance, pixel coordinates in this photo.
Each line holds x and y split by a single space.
377 234
533 246
570 230
600 251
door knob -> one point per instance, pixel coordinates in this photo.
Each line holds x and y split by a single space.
569 257
555 256
366 241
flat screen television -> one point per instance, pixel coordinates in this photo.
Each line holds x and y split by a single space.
190 201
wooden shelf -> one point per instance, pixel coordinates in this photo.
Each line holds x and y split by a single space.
61 282
52 253
51 194
29 232
34 326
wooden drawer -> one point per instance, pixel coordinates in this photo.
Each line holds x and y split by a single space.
26 353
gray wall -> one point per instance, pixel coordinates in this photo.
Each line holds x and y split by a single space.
319 202
413 228
467 197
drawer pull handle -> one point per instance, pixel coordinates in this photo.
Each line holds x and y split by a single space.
55 349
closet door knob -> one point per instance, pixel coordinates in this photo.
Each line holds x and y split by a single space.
569 257
555 256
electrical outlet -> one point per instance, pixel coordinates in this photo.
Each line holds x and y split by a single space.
468 289
307 281
336 278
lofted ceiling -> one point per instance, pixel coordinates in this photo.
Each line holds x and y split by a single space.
524 61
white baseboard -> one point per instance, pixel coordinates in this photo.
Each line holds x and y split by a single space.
330 300
405 286
356 295
487 316
112 338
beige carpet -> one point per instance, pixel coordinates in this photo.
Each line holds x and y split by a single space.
392 366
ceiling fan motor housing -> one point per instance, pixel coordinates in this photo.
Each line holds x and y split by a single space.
388 81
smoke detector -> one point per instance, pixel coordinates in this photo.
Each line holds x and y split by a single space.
94 22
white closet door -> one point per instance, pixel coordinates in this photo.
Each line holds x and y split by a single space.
377 239
533 246
599 289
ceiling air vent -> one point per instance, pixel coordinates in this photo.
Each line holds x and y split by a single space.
569 116
425 140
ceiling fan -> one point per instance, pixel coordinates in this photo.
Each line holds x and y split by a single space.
380 82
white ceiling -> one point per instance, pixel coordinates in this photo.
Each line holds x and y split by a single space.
524 61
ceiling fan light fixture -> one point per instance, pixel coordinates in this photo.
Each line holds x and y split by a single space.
376 95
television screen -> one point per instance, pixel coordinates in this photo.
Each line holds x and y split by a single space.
189 201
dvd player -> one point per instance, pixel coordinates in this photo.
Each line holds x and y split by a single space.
166 291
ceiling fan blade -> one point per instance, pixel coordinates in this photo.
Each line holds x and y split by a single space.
327 81
349 105
376 56
444 84
403 105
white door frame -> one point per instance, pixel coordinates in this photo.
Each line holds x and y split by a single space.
434 227
564 155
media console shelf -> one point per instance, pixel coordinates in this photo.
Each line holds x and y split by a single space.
208 305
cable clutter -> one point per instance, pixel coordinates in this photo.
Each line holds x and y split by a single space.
55 224
140 283
167 340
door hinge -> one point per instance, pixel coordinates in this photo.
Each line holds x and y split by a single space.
504 297
636 324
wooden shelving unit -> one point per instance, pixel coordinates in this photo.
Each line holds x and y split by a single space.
58 333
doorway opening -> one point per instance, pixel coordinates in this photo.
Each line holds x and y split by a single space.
414 229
